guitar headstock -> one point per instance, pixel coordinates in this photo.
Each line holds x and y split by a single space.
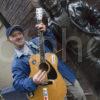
39 14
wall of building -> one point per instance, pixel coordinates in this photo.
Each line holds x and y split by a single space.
19 12
6 54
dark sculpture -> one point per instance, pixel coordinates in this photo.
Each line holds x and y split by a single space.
85 17
82 21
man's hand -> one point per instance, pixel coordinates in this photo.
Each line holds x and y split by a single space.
40 77
41 27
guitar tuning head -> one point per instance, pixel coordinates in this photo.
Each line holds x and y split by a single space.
39 14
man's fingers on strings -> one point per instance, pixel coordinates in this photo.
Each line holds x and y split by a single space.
41 75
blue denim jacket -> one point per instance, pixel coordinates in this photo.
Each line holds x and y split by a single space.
21 69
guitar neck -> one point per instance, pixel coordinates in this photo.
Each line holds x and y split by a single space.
42 48
39 16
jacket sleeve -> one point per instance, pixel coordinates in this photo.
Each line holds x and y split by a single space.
66 71
50 40
21 80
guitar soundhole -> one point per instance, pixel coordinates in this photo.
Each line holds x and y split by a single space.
43 67
52 74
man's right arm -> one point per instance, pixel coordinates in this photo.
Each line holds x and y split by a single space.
21 79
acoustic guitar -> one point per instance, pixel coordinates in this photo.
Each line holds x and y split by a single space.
54 88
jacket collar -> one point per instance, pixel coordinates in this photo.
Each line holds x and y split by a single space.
26 50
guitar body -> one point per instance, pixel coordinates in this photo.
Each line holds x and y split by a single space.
57 90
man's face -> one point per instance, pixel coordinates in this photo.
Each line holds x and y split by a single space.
17 39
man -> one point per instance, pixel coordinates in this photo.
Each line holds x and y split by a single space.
20 65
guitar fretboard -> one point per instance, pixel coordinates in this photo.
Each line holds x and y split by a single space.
42 48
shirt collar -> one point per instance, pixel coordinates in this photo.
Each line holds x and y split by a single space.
18 53
24 51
